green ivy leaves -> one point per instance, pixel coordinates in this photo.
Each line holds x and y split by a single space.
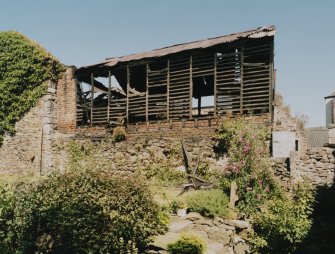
25 67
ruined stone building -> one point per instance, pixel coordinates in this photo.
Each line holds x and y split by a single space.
160 97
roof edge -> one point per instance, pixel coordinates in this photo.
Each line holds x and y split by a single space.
260 32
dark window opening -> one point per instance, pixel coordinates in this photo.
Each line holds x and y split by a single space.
203 96
297 145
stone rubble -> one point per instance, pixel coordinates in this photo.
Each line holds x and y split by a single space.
222 236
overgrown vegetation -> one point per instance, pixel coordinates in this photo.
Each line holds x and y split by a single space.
284 223
280 221
247 149
84 210
209 203
162 171
24 69
188 244
119 134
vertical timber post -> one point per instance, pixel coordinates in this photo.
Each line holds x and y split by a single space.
128 86
191 86
109 96
242 82
233 195
199 105
147 94
272 83
168 90
92 97
215 87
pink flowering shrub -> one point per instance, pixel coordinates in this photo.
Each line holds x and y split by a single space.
246 146
280 221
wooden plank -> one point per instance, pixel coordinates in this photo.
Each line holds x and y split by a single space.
109 94
191 86
147 92
179 83
92 97
151 96
203 73
179 89
257 75
180 75
261 95
128 86
168 90
215 83
271 88
241 70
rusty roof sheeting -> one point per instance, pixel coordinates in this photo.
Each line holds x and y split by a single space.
207 43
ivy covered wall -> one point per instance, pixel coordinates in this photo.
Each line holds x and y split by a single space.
25 67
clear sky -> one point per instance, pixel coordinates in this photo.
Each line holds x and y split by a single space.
82 32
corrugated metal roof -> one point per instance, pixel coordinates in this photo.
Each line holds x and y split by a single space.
202 44
316 137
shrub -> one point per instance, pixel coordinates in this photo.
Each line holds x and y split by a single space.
249 163
119 134
188 244
91 212
24 69
209 203
284 223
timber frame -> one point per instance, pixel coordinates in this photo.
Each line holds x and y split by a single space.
232 74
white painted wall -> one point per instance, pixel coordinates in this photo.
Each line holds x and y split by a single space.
283 142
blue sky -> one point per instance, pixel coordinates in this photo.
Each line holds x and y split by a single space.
82 32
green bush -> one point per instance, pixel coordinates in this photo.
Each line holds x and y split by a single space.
209 203
249 162
188 244
24 68
283 223
87 212
119 134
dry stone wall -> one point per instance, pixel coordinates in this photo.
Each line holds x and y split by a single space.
146 153
316 164
29 150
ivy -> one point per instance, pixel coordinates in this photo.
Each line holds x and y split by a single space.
25 67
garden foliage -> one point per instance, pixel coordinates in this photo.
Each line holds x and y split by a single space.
188 244
24 69
246 145
78 212
284 223
209 203
280 221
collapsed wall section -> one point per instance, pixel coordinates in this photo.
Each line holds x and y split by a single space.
295 156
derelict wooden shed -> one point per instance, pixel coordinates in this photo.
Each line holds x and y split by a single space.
231 74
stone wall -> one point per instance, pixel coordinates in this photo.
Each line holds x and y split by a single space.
282 172
316 164
30 149
145 153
